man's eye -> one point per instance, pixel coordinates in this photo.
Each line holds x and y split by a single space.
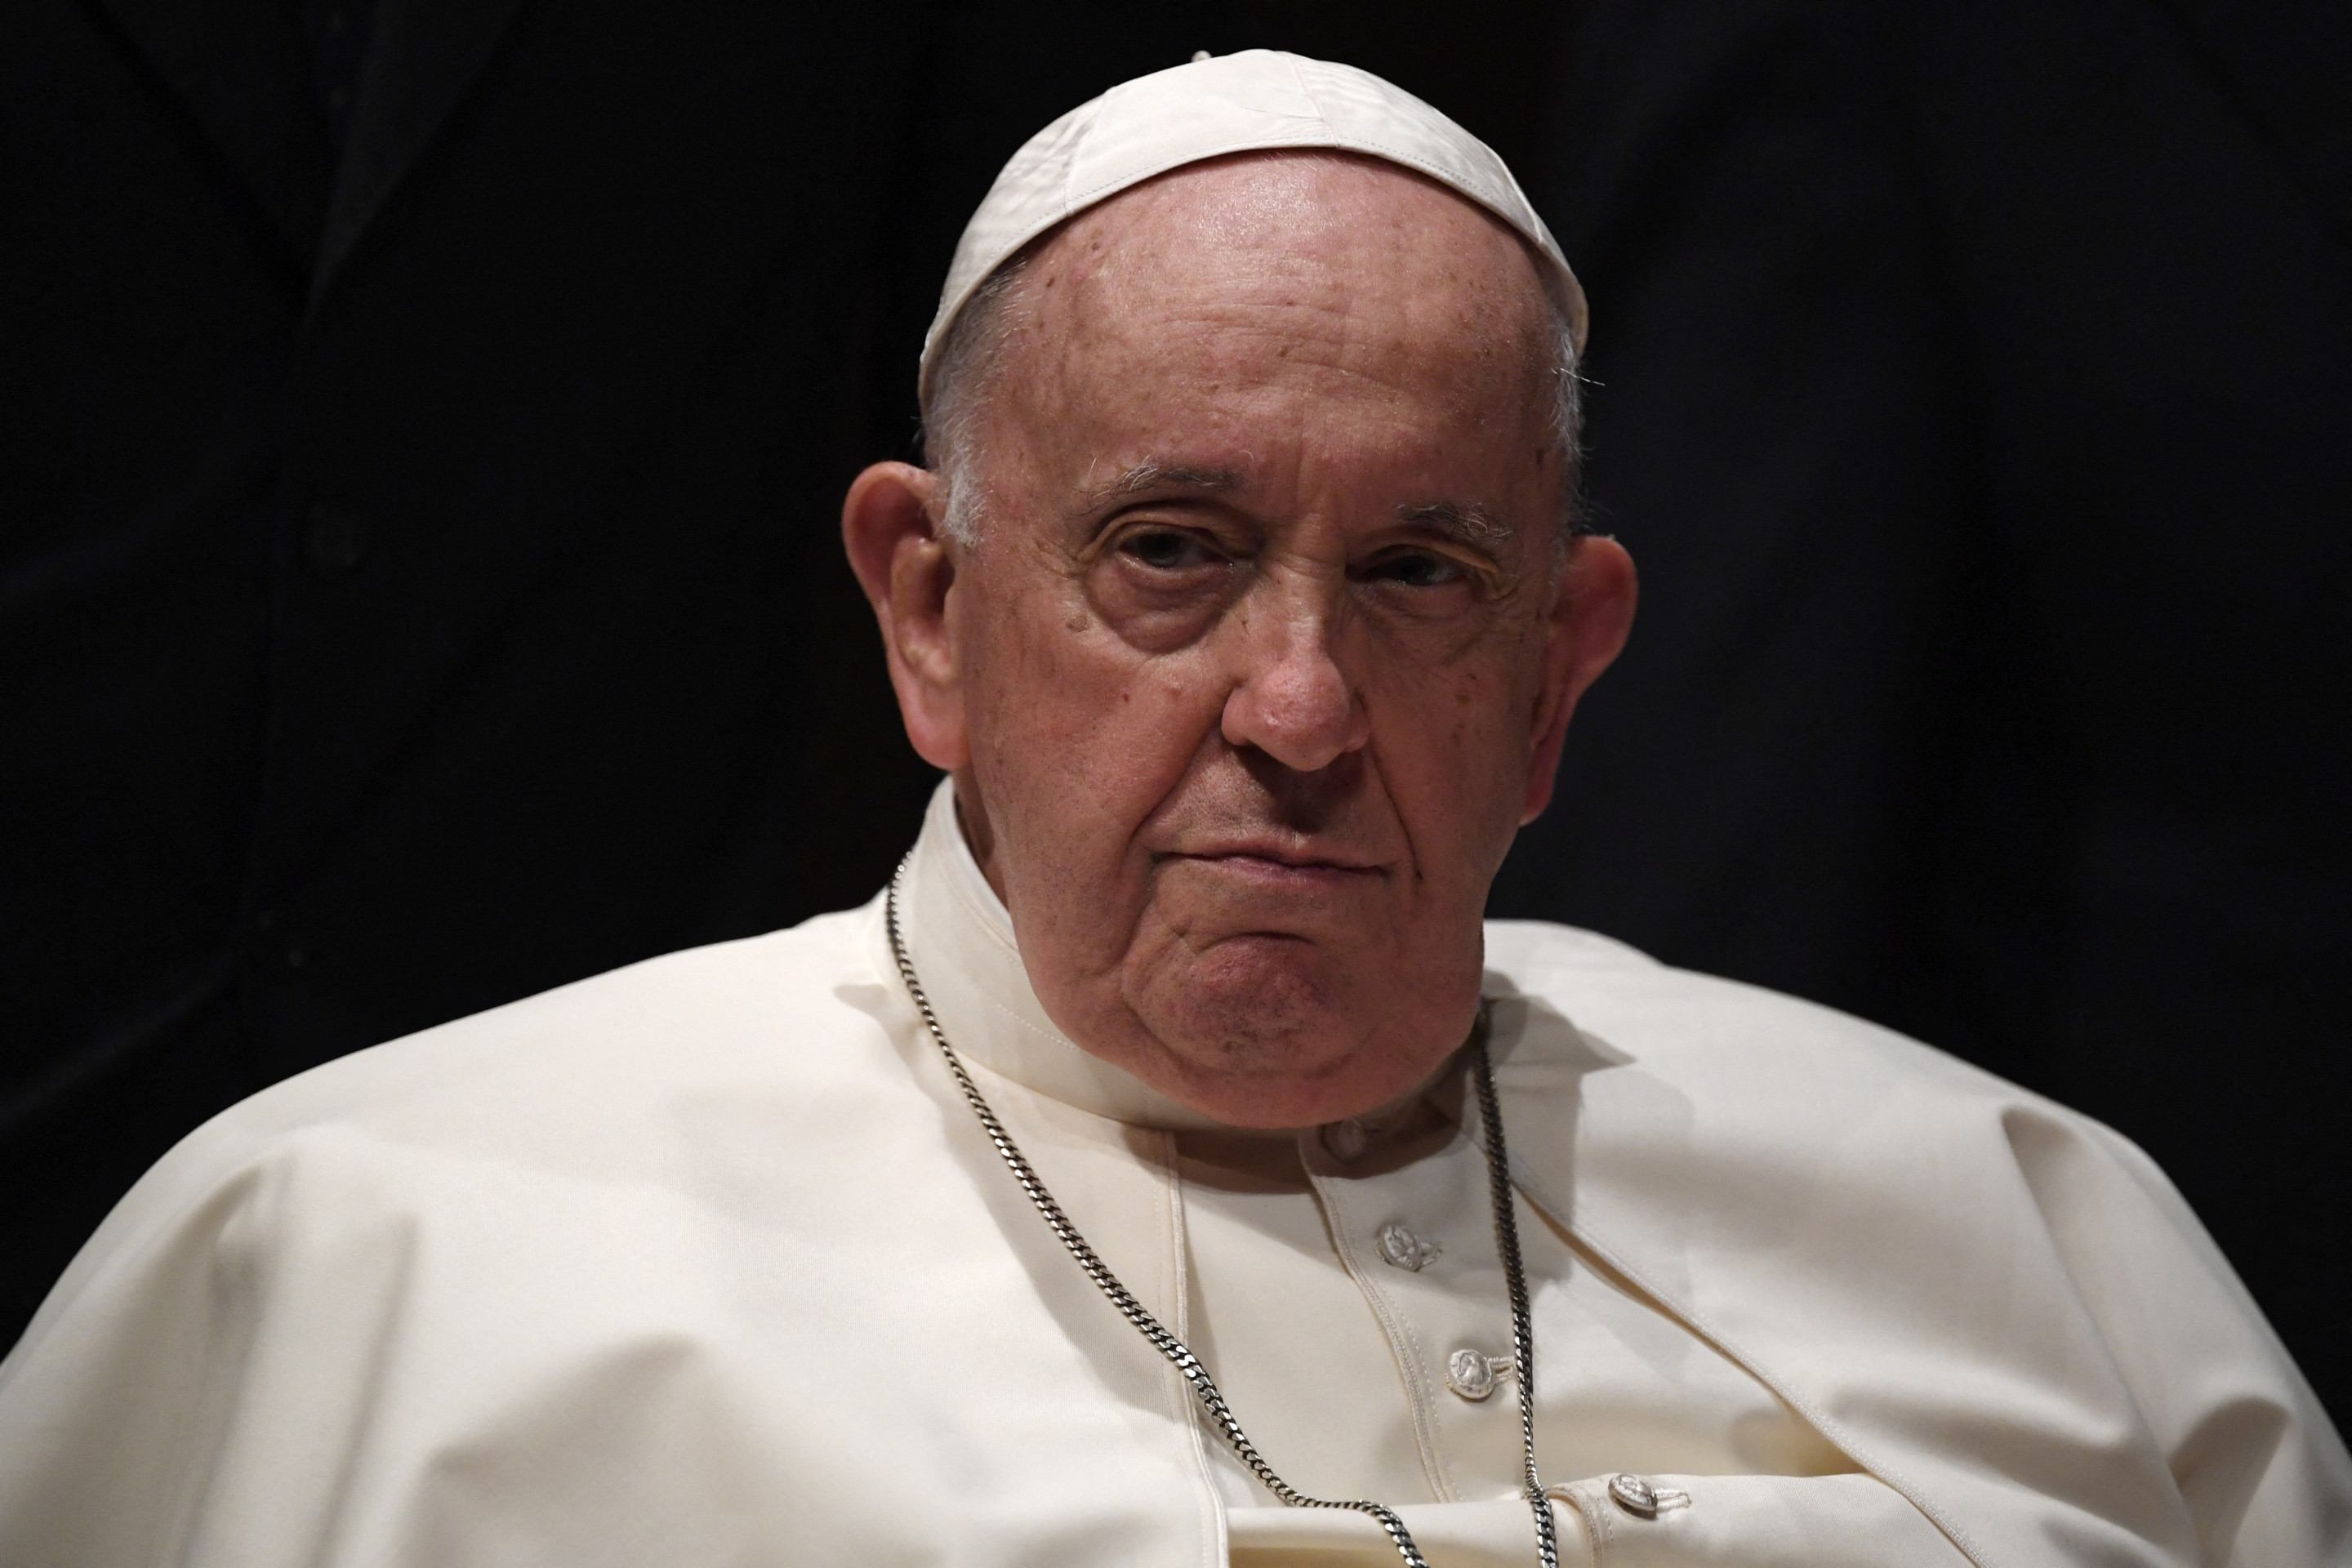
1166 549
1416 569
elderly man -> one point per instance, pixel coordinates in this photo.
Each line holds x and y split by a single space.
1169 1167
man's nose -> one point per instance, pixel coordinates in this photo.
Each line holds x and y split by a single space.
1293 700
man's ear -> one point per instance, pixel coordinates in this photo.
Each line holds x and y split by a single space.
907 570
1591 611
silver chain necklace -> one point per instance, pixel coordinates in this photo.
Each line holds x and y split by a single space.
1205 1388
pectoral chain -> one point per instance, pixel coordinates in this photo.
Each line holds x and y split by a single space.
1178 1356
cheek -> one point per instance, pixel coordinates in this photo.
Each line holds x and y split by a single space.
1075 738
1458 764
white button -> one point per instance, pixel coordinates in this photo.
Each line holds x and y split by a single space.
1406 1250
1472 1375
1639 1497
1345 1140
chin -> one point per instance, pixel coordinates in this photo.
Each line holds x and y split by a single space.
1265 1040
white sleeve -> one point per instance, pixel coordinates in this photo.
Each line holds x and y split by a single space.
2259 1464
198 1387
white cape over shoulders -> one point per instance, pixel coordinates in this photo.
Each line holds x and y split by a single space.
702 1262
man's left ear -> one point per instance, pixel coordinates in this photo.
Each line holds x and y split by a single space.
1591 611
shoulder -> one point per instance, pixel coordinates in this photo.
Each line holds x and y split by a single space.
729 1008
603 1074
1701 1105
1738 1077
1684 1025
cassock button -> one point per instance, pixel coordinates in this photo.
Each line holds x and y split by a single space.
1643 1500
1473 1375
1402 1249
1345 1140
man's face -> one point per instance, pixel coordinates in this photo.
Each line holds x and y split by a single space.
1256 653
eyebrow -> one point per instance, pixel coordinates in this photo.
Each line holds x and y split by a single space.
1470 524
1153 474
1465 523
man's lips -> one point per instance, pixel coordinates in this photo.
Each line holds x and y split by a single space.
1277 862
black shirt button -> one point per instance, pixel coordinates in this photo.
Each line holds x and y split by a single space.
335 542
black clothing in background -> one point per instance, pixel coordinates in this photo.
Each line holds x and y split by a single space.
1976 397
421 583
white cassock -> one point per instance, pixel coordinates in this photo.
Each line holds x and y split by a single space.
705 1262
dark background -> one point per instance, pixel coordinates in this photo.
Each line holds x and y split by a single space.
419 584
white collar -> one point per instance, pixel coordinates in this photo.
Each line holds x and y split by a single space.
960 936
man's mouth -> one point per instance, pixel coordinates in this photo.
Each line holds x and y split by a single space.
1277 864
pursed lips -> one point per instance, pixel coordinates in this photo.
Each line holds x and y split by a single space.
1279 864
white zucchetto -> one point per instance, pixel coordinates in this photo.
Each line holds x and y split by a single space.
1257 101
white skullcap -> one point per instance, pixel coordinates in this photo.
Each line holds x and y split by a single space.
1257 101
